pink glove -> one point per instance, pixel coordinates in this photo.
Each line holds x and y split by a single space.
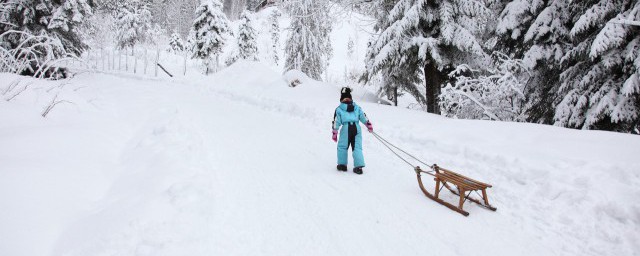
369 126
335 136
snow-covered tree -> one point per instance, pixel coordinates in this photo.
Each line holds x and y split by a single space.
580 66
133 22
418 41
494 93
58 19
209 28
247 38
37 32
175 43
600 84
155 34
308 47
350 48
274 31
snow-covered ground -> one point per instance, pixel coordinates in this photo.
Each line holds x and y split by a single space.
239 164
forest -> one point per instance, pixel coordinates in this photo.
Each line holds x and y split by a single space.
573 64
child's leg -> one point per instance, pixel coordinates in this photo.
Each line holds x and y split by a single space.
343 146
358 157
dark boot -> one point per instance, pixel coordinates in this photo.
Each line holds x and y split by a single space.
342 167
358 170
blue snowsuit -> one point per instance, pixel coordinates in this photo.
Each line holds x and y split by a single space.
347 116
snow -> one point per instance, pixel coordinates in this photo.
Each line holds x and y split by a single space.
240 163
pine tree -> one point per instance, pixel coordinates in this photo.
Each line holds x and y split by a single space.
175 43
247 38
35 34
308 47
537 32
62 20
133 22
419 41
209 28
274 30
600 85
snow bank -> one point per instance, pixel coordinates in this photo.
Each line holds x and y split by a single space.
241 163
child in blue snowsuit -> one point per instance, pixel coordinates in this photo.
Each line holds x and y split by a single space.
347 116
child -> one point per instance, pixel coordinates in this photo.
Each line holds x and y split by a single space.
347 116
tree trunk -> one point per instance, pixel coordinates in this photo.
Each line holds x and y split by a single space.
433 80
395 96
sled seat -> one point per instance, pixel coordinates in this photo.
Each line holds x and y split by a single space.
464 187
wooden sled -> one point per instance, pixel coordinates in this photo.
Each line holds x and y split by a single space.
464 187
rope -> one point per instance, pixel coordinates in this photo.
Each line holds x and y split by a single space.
389 145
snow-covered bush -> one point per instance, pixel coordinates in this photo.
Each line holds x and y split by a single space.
295 77
495 93
35 55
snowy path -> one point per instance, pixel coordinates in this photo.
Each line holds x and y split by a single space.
217 167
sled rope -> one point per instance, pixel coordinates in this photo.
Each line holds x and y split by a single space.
387 144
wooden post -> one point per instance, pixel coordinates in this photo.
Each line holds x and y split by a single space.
126 61
156 62
437 188
184 64
102 57
145 60
135 60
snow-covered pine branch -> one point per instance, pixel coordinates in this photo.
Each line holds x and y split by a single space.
176 44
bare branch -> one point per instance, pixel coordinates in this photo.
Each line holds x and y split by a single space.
53 103
20 91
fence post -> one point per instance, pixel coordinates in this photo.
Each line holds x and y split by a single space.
119 61
113 58
102 58
184 69
135 60
156 62
145 60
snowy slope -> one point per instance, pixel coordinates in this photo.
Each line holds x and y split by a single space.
239 163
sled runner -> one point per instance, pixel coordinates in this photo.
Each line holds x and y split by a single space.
464 187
